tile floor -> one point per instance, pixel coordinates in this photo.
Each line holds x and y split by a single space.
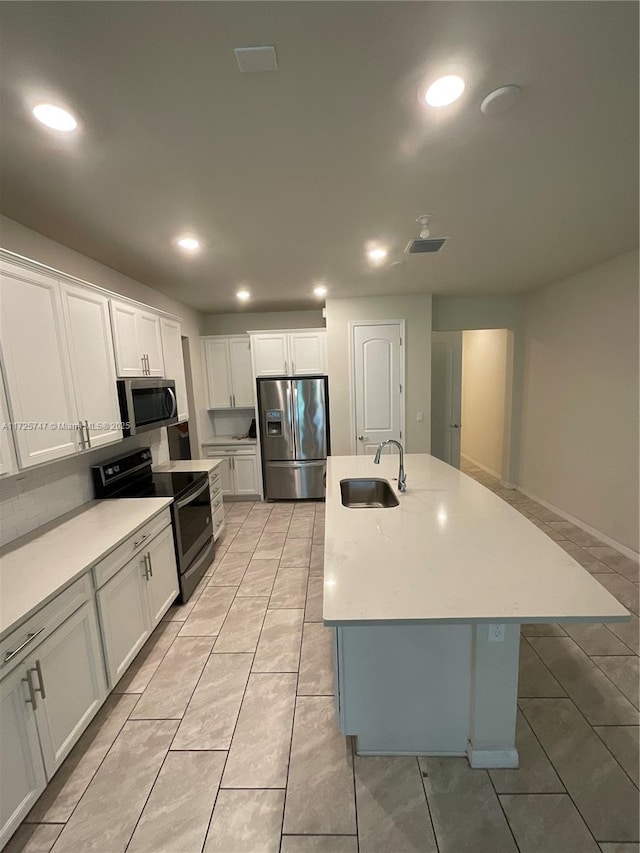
222 737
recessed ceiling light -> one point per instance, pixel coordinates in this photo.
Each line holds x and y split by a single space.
444 91
320 290
243 295
188 243
55 117
377 254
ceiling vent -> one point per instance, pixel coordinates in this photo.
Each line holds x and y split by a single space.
256 59
425 242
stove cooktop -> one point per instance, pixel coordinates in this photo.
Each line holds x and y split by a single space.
162 485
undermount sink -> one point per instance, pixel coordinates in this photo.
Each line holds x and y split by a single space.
367 493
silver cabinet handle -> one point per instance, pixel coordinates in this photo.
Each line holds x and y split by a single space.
86 426
30 637
293 367
146 568
286 366
83 441
144 366
32 694
149 562
140 540
230 401
234 400
39 689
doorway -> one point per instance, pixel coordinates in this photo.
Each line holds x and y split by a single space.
471 398
377 380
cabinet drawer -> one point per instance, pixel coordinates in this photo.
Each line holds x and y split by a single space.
21 642
112 564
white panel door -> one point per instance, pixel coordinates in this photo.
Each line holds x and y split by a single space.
241 372
378 397
36 367
162 585
129 361
124 616
174 363
245 475
92 362
307 350
150 341
22 778
218 371
446 396
67 673
225 475
270 354
8 461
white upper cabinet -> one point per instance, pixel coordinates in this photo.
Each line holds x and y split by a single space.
307 351
228 371
174 363
36 366
8 461
137 341
86 314
297 353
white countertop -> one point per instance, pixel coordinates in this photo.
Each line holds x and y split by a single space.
36 567
451 552
189 465
227 440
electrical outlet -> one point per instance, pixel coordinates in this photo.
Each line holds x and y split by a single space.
419 417
496 632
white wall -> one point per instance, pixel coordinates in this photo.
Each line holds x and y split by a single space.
416 311
484 396
17 238
243 321
579 442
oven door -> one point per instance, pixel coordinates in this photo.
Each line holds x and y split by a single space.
193 527
147 403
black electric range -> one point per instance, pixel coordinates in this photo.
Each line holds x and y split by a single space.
130 476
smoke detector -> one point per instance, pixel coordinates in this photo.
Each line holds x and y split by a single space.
425 242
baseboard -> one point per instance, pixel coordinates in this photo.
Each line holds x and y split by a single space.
606 540
489 758
481 465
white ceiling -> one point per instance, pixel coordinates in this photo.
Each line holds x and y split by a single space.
285 175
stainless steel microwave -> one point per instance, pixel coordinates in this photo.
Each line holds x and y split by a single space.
147 404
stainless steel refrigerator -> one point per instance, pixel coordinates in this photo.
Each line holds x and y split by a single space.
294 436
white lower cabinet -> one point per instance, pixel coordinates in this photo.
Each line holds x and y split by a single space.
239 470
135 599
22 777
46 702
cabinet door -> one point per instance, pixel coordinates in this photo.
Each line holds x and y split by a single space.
22 778
216 356
125 339
92 360
150 341
245 472
241 372
8 462
124 617
307 352
270 354
174 363
67 672
223 470
36 367
162 583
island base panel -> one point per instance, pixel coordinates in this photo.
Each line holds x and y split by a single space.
428 690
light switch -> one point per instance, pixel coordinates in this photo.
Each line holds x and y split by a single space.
419 417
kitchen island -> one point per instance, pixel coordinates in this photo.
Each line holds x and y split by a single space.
427 598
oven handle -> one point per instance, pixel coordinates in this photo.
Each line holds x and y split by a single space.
205 555
174 410
189 498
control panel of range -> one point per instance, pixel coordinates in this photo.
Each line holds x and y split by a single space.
274 422
115 469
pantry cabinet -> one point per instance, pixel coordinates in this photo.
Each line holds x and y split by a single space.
174 363
296 353
36 366
137 340
8 461
228 372
88 330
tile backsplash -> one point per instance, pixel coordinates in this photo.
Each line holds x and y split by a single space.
38 495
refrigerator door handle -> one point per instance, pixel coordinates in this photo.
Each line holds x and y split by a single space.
304 464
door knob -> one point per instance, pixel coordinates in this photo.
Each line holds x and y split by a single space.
454 426
363 438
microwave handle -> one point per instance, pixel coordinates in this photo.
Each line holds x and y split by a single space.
174 407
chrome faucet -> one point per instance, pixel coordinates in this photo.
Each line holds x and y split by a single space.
402 477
